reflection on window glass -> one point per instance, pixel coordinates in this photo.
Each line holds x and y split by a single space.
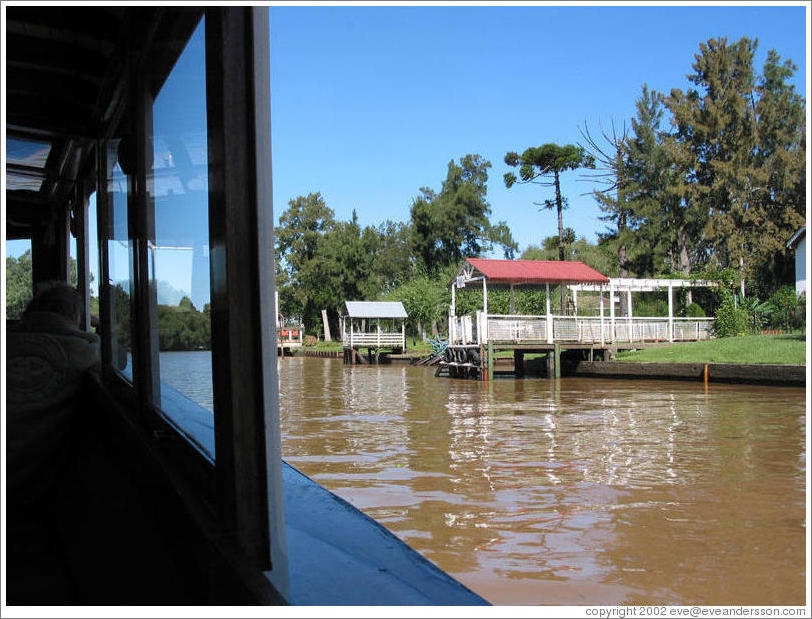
19 278
120 264
93 258
180 254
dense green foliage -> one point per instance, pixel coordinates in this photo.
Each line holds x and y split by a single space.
324 262
731 318
714 177
18 284
789 349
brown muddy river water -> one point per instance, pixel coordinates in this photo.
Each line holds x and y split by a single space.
578 491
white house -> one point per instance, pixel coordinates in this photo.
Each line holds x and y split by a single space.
798 243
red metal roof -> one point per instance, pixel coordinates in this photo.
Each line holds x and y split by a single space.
537 272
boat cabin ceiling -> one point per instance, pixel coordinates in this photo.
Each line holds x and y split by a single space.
68 70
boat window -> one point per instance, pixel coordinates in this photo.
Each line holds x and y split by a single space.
179 254
73 263
120 263
93 257
19 279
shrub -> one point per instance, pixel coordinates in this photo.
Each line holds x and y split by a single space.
783 306
651 307
310 340
756 313
730 319
694 310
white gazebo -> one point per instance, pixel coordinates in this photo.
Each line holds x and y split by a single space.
375 325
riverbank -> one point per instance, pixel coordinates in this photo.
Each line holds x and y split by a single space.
764 374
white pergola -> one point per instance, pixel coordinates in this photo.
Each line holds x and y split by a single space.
628 285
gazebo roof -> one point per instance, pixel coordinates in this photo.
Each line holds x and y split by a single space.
375 309
532 271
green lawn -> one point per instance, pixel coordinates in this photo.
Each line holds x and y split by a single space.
747 349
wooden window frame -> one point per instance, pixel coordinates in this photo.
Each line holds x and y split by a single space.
244 486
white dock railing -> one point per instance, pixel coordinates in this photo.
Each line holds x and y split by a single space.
386 340
520 329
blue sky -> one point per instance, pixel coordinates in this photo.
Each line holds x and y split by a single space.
368 103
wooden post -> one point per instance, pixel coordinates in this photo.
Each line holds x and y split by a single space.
453 299
557 351
600 295
327 337
629 310
518 363
613 335
512 303
352 333
670 312
490 361
575 301
549 315
484 297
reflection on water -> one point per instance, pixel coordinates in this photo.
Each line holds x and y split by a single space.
578 491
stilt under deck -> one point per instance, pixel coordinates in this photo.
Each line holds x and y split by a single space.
479 361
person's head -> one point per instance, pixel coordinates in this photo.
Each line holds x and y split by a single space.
59 298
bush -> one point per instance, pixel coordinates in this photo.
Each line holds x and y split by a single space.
783 307
310 340
694 310
731 319
651 307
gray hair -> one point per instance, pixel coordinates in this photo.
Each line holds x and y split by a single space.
59 298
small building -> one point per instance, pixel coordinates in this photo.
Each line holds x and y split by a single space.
378 326
798 244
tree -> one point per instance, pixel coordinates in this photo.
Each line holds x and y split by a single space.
454 224
612 174
389 243
743 137
299 235
781 156
543 165
19 284
664 210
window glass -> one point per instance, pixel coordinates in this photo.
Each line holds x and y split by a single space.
120 264
93 258
180 254
19 277
73 263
